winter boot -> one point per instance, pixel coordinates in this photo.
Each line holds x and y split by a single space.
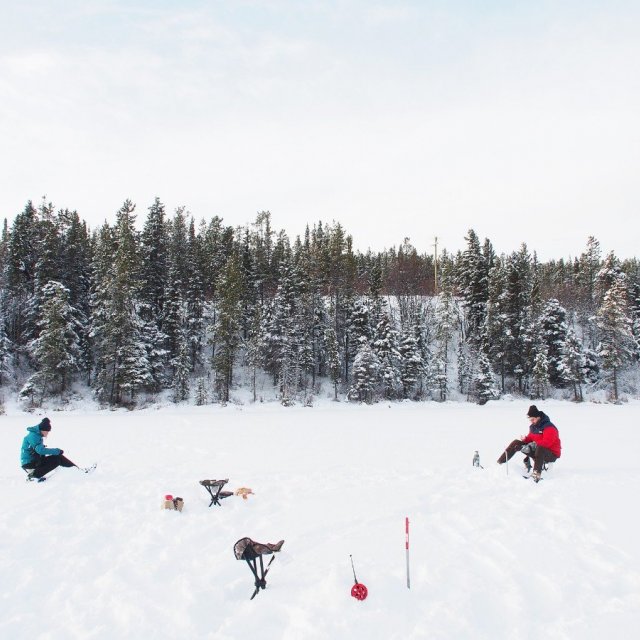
536 476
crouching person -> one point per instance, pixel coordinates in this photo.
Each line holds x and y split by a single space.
542 443
36 458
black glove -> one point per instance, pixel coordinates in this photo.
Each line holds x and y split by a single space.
61 452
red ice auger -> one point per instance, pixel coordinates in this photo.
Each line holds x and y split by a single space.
358 591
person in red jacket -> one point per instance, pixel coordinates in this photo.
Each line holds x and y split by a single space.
542 443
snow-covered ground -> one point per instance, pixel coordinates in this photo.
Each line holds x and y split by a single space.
492 555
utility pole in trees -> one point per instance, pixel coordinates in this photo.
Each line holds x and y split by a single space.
435 265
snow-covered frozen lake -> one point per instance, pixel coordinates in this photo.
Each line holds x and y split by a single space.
492 555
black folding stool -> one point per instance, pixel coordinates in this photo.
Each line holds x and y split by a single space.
214 488
252 551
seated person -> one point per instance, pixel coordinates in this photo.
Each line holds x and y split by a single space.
38 459
542 443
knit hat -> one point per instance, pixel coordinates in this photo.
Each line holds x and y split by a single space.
45 424
534 412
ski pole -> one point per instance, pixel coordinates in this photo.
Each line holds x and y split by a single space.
353 569
406 523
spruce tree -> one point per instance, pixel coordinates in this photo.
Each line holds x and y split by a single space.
312 313
411 364
553 332
447 320
255 347
466 369
473 273
588 267
385 346
540 373
177 280
56 351
484 379
76 275
195 297
201 395
357 329
5 344
154 263
334 365
47 264
517 310
227 327
365 375
616 338
284 337
21 258
633 289
573 367
181 364
122 365
497 336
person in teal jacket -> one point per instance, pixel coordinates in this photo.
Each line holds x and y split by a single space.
38 459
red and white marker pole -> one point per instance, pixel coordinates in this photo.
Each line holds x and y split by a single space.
406 525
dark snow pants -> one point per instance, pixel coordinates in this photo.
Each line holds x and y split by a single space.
46 464
541 455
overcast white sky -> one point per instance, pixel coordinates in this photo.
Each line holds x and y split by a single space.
520 119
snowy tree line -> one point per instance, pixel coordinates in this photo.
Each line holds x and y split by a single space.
202 309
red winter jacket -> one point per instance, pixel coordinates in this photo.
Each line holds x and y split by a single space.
545 434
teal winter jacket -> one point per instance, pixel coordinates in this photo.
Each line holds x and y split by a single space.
33 448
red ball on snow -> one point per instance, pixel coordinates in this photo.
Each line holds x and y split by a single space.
359 591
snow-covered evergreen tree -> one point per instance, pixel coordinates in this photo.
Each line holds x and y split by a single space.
385 346
177 280
484 379
359 325
76 275
334 366
255 347
466 366
588 267
182 363
540 374
554 330
5 343
516 304
616 345
376 302
230 287
365 375
312 313
46 267
56 351
195 297
154 261
498 336
283 333
201 395
447 320
411 364
422 332
472 278
19 274
573 366
633 289
153 274
122 365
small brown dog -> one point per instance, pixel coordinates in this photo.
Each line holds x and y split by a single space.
245 492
